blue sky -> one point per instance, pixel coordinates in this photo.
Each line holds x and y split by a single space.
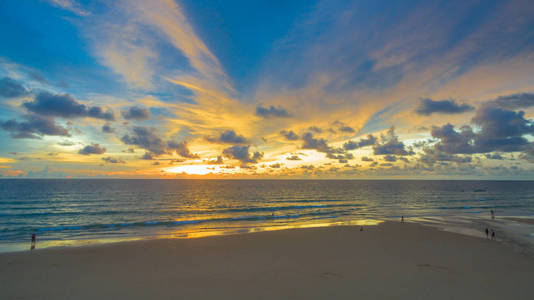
285 89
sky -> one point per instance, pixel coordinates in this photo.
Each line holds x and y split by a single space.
267 89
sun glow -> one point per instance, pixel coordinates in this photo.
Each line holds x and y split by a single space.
194 169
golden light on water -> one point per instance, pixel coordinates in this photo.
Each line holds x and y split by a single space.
191 234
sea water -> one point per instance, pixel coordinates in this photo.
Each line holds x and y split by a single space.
64 212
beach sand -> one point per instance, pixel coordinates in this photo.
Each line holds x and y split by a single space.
388 261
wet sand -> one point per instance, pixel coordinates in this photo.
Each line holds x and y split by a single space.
521 220
388 261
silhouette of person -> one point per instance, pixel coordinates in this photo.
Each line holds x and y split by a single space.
361 228
34 241
492 234
402 219
492 214
487 233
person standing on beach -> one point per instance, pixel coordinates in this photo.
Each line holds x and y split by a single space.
492 234
34 241
402 219
487 233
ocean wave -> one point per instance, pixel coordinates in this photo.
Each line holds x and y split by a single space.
482 207
149 223
55 213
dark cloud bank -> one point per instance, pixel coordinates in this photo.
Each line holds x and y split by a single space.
65 106
496 130
33 127
92 149
136 113
43 111
241 153
227 137
148 139
271 111
428 106
11 88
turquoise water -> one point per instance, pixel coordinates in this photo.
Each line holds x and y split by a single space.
74 212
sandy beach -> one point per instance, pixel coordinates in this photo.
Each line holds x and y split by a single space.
388 261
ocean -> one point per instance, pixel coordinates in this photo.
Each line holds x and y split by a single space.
72 212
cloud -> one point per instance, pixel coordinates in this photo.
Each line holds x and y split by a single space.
10 88
34 127
181 149
390 158
315 129
528 153
514 101
289 135
145 138
108 129
390 144
136 113
70 5
242 154
363 142
217 161
147 156
66 143
92 149
65 106
452 141
293 157
433 155
500 130
321 146
365 158
98 113
228 137
113 160
343 127
341 156
136 31
271 111
312 143
346 129
428 106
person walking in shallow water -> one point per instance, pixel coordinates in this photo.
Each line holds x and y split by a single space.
487 233
492 234
402 219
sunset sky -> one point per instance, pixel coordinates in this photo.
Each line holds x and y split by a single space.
267 89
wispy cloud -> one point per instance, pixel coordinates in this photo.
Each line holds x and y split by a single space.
70 5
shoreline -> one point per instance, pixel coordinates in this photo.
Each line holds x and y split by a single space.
516 232
410 259
513 231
